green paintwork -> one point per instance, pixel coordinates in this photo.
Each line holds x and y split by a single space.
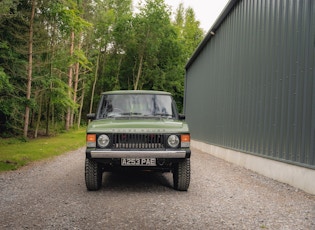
136 92
137 125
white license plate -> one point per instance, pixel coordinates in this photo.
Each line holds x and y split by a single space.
138 161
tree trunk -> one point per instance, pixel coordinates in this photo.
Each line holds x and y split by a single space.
76 82
75 90
139 72
81 104
38 115
117 83
48 113
29 71
49 106
95 80
70 77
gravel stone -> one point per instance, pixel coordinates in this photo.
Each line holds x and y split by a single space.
51 194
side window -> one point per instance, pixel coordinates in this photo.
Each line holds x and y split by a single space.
103 108
174 109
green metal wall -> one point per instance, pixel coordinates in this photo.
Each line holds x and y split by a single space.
251 86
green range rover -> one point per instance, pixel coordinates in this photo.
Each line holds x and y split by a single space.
137 129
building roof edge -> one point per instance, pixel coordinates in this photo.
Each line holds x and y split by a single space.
212 31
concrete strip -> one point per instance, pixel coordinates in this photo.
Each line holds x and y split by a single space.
296 176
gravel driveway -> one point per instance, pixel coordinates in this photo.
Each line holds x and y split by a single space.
52 195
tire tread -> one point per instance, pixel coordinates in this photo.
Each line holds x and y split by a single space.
181 175
93 175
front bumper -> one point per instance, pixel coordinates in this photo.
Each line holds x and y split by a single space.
103 154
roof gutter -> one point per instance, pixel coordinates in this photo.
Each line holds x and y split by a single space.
229 6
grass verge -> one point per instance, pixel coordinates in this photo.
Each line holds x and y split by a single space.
15 153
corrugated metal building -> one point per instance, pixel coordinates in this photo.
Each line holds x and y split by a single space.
250 85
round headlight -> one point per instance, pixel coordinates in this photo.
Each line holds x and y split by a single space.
103 141
173 141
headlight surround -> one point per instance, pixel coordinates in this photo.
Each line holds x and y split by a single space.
103 141
173 141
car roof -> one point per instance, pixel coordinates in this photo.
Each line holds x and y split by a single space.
136 92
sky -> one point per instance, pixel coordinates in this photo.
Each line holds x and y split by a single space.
206 11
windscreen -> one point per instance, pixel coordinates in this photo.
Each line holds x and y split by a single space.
136 105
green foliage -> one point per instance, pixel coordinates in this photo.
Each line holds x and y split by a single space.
115 48
6 7
5 85
68 17
80 57
58 93
5 106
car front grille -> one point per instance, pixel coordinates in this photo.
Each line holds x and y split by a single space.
138 141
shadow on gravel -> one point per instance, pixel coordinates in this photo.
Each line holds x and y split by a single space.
136 181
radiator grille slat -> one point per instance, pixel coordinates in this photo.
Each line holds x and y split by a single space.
138 141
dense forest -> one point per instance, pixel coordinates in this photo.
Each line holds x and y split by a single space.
57 56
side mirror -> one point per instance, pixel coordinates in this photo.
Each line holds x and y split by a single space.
90 116
181 117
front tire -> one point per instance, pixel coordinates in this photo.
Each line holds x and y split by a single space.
93 175
181 175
